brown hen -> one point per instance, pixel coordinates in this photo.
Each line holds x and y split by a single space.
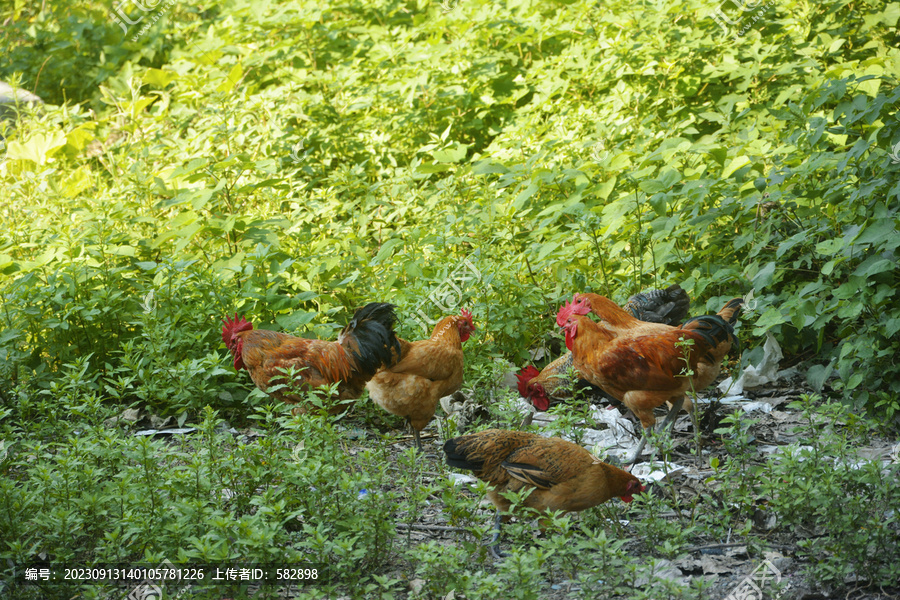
427 370
562 475
652 310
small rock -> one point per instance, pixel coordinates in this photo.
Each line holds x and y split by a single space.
508 379
129 416
14 99
661 569
781 562
160 423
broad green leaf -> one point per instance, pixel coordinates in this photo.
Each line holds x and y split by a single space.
891 327
875 265
735 164
817 375
891 14
813 287
232 79
192 166
176 225
186 235
488 167
37 148
669 177
295 320
719 154
78 181
770 318
451 155
764 277
432 168
199 198
855 380
122 250
878 231
159 77
829 247
523 196
7 264
546 249
79 138
386 250
603 190
651 186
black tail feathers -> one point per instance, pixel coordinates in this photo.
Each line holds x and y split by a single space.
457 455
713 328
372 327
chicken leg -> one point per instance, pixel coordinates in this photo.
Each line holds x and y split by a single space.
418 439
495 541
670 420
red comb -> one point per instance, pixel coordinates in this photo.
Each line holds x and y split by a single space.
579 306
233 326
564 313
468 317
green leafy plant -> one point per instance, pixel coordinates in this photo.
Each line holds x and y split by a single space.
292 161
826 487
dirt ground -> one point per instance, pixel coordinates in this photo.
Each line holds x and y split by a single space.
726 564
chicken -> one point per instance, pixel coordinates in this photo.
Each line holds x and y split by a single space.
427 370
644 369
562 475
668 307
613 317
621 323
551 382
555 383
365 344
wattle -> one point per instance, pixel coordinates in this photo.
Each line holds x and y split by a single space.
238 358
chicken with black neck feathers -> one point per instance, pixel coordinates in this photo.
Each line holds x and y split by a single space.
365 345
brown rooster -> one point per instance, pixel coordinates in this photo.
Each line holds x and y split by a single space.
426 371
655 307
643 369
364 345
562 475
621 323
